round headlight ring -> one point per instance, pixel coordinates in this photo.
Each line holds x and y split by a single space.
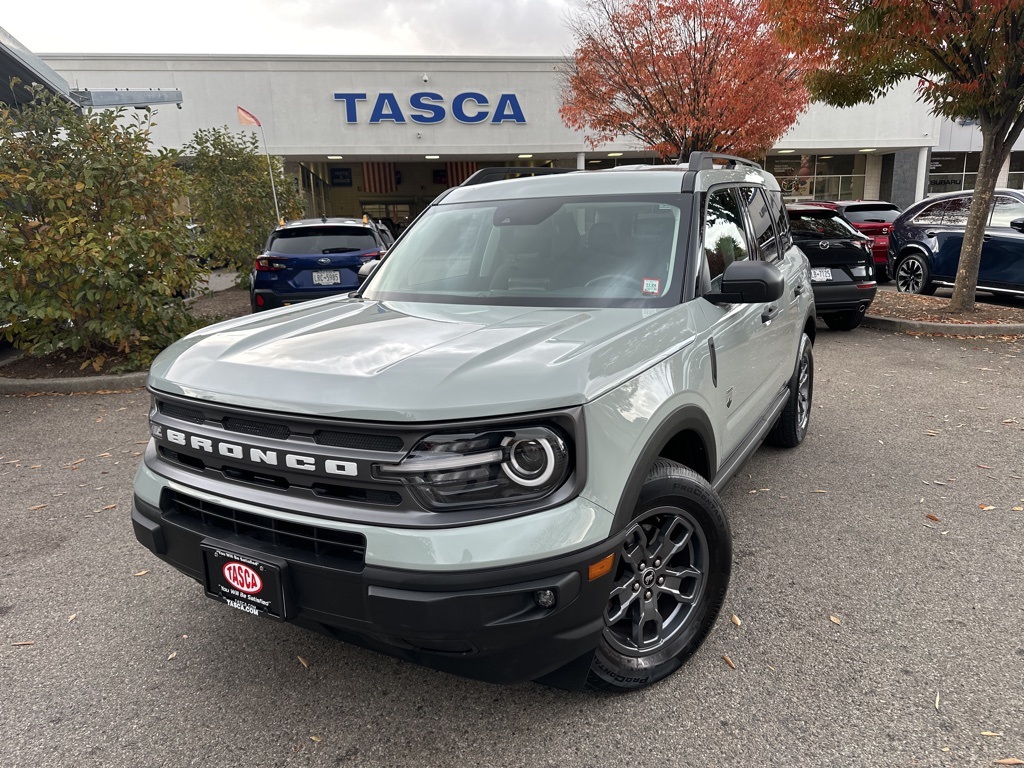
515 471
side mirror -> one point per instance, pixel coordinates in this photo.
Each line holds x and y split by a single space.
1017 224
367 269
749 282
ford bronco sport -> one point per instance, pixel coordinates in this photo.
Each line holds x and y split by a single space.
500 457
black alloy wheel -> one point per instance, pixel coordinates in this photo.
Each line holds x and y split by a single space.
914 276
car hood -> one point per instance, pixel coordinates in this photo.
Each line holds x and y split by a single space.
355 359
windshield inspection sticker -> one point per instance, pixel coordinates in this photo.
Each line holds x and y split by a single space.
651 287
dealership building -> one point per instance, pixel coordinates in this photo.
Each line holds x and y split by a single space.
386 135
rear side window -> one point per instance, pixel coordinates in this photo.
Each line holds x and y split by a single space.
871 214
949 213
306 240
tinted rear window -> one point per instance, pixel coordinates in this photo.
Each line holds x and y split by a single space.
321 240
871 214
827 223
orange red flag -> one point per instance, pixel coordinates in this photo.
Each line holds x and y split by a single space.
245 117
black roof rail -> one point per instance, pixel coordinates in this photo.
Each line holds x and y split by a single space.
702 161
485 175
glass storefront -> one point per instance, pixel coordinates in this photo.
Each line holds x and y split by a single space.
1016 178
819 177
952 171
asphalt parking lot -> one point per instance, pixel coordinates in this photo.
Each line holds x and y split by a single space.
878 582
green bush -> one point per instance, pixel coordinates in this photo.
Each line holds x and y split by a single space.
230 196
93 256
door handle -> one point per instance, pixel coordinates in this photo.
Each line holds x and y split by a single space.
986 237
929 234
770 313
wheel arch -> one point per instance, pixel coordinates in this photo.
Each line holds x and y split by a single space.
685 437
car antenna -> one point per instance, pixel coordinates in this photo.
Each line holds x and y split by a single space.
323 218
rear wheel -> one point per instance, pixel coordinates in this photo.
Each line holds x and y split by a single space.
914 276
882 275
671 575
843 321
791 428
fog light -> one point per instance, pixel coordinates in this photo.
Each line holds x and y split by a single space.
545 598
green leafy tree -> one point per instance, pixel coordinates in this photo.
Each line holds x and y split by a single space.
967 57
93 256
230 195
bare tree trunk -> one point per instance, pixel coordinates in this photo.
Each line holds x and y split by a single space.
993 155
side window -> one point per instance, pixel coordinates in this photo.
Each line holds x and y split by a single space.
724 238
761 223
781 216
1005 210
932 214
955 212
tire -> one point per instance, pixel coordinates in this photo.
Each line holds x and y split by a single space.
661 608
882 275
914 276
791 428
843 321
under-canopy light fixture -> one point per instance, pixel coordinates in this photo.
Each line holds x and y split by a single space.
614 154
786 151
593 161
869 149
825 157
432 157
525 157
335 157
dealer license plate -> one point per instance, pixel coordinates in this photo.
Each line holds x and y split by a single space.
326 277
254 585
821 275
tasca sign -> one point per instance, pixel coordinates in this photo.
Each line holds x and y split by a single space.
428 108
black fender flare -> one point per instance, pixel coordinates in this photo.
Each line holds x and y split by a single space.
689 417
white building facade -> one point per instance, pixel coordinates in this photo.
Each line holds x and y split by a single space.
385 135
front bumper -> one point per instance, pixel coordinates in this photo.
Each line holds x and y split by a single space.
484 624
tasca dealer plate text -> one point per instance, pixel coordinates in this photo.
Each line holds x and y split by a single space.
256 584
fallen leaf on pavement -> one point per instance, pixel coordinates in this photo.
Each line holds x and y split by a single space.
173 654
984 466
936 701
72 617
109 506
990 733
736 620
25 642
934 518
303 662
835 620
102 455
728 661
985 507
1017 509
819 491
317 739
142 572
73 463
38 506
1010 761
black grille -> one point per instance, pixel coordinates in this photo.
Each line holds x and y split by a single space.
184 414
210 519
258 428
358 441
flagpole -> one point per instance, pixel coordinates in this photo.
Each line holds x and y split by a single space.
270 170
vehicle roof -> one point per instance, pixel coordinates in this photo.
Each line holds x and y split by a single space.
347 221
628 180
819 210
1019 194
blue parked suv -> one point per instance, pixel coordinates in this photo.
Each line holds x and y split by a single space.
313 259
924 247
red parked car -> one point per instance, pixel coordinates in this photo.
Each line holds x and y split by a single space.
874 218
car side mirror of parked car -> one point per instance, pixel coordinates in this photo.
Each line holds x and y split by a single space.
1018 224
749 282
367 269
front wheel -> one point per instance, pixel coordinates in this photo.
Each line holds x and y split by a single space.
671 575
913 275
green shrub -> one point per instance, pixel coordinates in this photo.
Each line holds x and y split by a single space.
93 256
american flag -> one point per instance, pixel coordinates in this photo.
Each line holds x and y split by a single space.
458 172
379 178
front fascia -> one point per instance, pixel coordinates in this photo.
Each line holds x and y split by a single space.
572 526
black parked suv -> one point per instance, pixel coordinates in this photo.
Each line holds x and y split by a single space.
924 247
842 265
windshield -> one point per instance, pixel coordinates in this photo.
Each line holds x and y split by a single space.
871 214
294 242
563 252
824 224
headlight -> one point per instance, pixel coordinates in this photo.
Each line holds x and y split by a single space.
502 466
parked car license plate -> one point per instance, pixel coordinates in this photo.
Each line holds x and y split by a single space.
251 584
820 274
326 277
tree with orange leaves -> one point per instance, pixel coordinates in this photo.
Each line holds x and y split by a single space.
968 57
680 75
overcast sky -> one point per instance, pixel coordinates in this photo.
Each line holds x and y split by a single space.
324 27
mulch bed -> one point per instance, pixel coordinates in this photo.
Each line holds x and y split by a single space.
234 302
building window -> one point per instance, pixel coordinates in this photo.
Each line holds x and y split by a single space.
1016 177
819 177
952 171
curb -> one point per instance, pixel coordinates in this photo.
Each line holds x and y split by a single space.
942 329
73 386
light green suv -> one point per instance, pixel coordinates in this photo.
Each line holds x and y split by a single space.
501 456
